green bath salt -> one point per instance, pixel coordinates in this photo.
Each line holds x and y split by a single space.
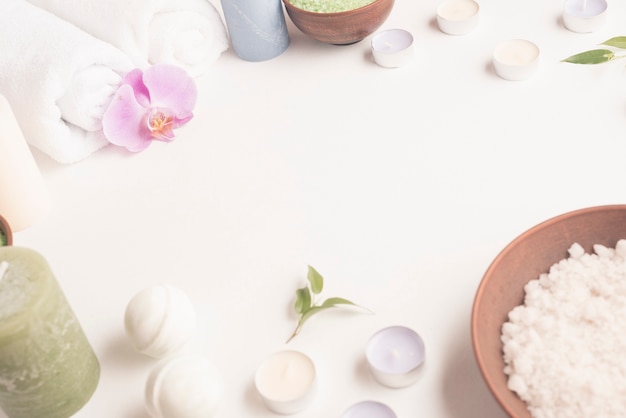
330 6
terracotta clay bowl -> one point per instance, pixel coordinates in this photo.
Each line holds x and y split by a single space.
524 259
341 28
5 228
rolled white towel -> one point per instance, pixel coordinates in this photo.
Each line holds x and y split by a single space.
57 79
186 33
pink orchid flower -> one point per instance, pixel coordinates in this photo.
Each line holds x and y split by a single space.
149 105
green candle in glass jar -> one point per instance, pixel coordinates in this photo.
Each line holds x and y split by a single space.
48 369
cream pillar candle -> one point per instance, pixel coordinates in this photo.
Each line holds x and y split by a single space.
47 367
24 198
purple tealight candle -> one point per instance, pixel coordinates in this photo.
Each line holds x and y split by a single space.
584 16
394 355
369 409
392 48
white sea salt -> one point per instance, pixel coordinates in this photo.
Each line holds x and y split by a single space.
565 347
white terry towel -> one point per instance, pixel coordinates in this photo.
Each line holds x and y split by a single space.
57 79
187 33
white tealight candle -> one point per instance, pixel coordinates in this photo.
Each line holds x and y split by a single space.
286 381
457 17
24 198
515 59
395 356
392 48
369 409
584 16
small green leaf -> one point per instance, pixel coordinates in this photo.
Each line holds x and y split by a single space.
328 304
331 302
303 300
616 42
596 56
305 304
316 280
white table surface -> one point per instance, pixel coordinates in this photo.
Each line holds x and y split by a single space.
399 186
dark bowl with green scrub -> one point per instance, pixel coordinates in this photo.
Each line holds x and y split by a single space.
6 235
330 22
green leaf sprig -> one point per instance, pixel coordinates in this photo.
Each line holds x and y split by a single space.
306 304
599 56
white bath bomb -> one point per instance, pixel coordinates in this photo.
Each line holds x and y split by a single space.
160 320
185 386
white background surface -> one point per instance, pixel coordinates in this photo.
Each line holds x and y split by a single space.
399 186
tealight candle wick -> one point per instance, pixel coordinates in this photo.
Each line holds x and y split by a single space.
3 269
287 370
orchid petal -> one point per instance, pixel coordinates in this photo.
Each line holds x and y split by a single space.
172 88
135 79
123 123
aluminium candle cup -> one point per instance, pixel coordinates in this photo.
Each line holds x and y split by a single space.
458 17
369 409
6 231
584 16
287 382
516 59
48 369
395 356
392 48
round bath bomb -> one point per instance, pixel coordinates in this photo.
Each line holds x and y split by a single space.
185 386
160 320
